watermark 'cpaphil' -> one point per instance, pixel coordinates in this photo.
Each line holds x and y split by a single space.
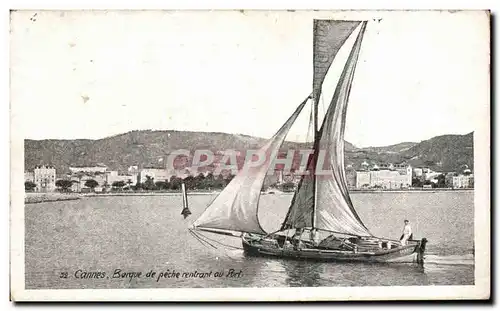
296 161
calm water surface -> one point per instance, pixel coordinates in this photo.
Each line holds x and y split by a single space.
143 233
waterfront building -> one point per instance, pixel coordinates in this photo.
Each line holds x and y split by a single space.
44 176
363 179
463 181
99 168
130 179
351 177
158 174
418 172
430 174
425 173
134 169
385 176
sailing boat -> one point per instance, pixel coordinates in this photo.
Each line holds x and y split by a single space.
321 204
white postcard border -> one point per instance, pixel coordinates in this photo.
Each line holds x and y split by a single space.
481 289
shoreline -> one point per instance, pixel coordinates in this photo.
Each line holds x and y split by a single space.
35 197
124 194
412 190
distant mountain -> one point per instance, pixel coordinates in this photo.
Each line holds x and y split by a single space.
447 153
443 153
147 147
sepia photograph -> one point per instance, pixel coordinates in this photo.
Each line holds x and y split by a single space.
248 155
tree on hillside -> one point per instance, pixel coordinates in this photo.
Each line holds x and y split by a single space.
175 183
64 184
189 182
441 181
90 183
129 182
229 178
416 182
118 184
199 181
161 185
219 183
208 182
149 184
210 176
29 186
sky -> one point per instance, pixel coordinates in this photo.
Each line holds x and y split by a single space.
85 74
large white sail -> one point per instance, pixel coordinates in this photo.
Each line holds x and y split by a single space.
328 37
322 201
236 207
334 209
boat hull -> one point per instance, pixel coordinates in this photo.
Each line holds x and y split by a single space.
412 253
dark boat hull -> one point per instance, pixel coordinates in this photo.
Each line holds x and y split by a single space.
411 253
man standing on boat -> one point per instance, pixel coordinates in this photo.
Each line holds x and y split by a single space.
296 238
407 234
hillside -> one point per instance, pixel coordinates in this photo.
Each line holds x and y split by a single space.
443 153
133 148
145 148
397 148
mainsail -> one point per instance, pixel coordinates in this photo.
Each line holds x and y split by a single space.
328 37
236 207
334 209
323 201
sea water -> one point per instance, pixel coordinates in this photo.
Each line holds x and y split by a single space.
83 244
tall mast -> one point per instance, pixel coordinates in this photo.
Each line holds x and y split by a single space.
315 99
316 96
315 155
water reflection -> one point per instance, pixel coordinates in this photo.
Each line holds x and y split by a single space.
302 272
312 274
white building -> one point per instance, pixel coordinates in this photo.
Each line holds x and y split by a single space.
157 174
134 169
430 174
45 178
363 179
101 168
385 176
128 179
463 181
418 171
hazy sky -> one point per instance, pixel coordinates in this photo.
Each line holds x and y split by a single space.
96 74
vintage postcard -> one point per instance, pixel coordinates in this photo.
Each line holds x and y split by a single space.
249 155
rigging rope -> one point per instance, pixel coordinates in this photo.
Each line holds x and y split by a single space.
203 240
218 242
